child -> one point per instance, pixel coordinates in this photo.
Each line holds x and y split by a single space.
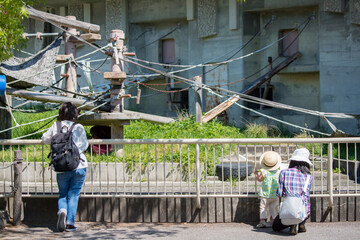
269 174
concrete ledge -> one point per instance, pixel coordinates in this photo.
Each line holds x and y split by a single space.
172 210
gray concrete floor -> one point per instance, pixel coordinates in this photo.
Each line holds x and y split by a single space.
339 230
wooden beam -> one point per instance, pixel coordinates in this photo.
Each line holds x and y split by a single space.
63 21
63 58
114 75
88 37
44 97
226 104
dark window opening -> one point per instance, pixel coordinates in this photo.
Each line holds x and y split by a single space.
179 100
290 44
259 92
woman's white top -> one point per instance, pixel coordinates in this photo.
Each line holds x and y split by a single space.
79 138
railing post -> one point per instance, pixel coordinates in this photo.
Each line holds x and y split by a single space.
17 187
198 176
330 177
198 99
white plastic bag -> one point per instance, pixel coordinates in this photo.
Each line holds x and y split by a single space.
292 209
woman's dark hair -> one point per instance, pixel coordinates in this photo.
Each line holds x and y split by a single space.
303 167
68 111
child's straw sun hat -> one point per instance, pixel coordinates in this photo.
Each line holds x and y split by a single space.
270 161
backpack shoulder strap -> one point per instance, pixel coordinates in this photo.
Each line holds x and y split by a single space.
72 127
58 126
306 183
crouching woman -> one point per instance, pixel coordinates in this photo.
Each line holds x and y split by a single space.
291 183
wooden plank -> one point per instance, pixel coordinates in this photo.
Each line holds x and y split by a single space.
62 58
63 21
88 37
258 82
114 75
44 97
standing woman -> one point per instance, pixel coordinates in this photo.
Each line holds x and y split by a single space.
292 182
69 182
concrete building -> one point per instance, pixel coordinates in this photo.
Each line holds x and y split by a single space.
324 78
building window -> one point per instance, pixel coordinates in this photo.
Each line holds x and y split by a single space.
290 44
179 100
168 51
260 92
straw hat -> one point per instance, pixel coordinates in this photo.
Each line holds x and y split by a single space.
270 161
301 155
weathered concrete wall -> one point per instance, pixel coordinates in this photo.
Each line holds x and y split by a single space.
156 10
323 78
297 85
339 67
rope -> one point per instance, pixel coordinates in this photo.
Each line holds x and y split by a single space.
270 117
92 69
167 34
33 133
155 89
189 67
244 96
339 115
1 168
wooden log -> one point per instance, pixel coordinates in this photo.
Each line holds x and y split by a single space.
5 119
132 54
226 104
17 201
70 49
44 97
63 21
198 98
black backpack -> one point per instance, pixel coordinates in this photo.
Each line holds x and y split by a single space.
64 153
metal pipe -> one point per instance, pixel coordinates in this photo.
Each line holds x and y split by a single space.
330 179
199 141
40 34
198 176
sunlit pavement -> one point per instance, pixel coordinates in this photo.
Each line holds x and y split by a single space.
338 230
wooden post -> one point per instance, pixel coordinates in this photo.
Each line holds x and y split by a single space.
267 86
17 187
198 99
5 119
117 87
117 66
70 49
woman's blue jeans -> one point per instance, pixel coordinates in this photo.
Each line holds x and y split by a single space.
70 184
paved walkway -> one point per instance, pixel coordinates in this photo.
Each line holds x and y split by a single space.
343 230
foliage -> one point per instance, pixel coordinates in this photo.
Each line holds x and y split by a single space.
12 14
254 130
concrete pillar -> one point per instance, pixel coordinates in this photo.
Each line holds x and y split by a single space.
233 15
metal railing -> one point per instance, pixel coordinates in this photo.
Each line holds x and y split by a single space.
186 168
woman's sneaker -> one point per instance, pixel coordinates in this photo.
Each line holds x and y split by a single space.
70 228
61 224
302 228
293 230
